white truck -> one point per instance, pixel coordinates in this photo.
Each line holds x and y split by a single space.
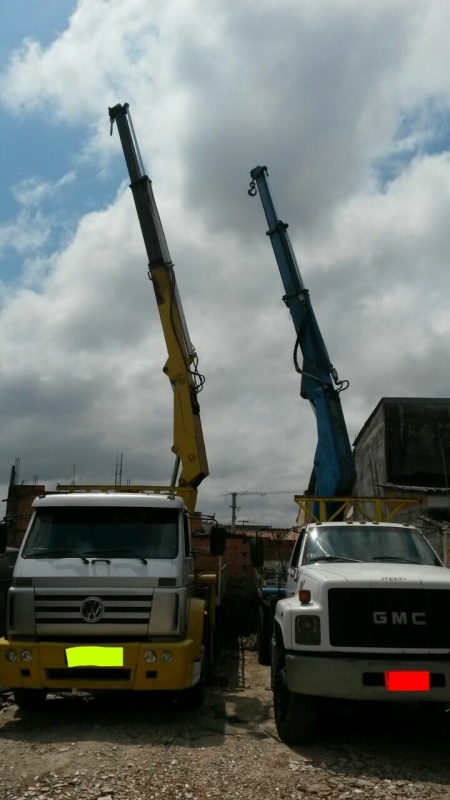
366 616
105 596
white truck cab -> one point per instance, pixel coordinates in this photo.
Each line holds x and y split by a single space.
366 616
104 596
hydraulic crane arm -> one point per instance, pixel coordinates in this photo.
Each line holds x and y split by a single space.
181 365
334 471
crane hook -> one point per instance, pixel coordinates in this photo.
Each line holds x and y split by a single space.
253 190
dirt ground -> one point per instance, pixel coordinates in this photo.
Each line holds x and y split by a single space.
118 748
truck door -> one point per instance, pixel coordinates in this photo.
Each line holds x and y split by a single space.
293 564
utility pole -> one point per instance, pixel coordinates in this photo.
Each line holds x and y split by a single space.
233 512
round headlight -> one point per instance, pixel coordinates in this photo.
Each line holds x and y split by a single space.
150 656
26 655
11 655
166 656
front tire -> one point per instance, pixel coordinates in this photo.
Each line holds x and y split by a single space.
264 635
295 714
30 699
195 696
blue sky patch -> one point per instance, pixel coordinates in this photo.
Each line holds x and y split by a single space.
424 130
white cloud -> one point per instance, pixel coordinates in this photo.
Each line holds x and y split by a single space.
27 232
30 230
32 192
318 91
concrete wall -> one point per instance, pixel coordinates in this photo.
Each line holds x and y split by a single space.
369 453
405 441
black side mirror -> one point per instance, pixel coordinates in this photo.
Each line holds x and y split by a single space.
217 541
3 537
257 552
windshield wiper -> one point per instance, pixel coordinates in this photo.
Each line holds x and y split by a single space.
58 554
396 558
120 550
333 558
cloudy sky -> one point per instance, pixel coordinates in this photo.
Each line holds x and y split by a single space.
346 102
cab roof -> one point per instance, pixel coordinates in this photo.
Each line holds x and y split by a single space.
110 498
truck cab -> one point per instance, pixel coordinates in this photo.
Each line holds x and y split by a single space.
105 596
366 616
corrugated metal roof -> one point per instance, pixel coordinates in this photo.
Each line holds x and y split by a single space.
412 489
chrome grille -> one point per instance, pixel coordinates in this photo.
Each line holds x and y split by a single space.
122 612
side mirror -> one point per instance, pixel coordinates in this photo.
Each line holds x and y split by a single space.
257 552
3 537
217 541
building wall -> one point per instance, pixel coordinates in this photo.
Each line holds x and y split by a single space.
405 441
369 454
240 573
240 604
417 442
18 510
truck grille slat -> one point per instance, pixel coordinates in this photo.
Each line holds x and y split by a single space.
54 611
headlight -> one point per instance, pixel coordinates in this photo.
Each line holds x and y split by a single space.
150 656
11 655
26 655
307 629
166 656
164 613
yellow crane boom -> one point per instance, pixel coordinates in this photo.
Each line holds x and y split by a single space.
182 364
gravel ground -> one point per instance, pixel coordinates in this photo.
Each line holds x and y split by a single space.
125 748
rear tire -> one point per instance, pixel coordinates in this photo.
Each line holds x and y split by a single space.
295 714
30 699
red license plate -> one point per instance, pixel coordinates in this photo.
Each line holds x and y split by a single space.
399 681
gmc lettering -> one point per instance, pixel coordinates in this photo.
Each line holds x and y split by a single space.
399 618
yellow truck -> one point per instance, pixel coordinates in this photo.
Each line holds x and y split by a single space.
105 595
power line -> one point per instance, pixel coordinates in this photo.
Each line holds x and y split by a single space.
235 508
260 494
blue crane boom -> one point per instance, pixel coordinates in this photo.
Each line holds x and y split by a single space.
334 469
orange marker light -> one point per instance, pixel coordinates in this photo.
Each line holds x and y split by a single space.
304 596
399 681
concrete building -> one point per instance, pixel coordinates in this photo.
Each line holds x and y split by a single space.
403 450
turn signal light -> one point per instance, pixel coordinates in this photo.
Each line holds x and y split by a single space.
150 656
11 655
304 596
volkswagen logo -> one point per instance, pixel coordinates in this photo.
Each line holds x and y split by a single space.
92 609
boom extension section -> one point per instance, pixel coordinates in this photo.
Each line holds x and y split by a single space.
181 365
334 470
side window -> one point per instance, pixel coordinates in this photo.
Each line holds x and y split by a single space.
187 536
296 551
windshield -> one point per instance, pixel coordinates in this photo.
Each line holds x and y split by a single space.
360 543
101 531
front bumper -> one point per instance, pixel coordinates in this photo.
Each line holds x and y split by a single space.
364 678
49 667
